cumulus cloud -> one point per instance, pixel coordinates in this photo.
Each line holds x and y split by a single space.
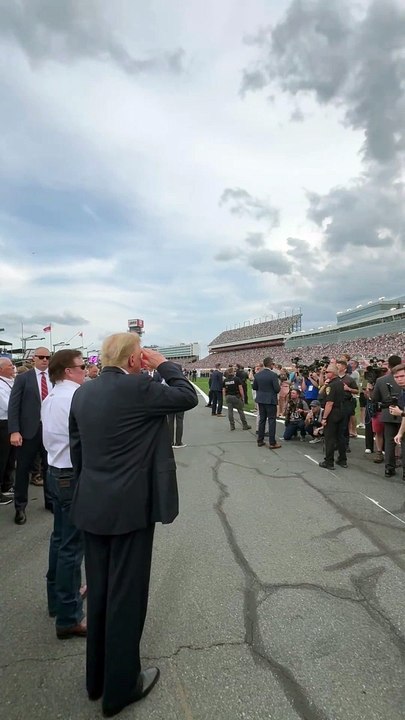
369 213
227 254
75 30
255 239
352 59
269 261
243 204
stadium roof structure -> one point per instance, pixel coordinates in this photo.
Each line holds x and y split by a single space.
269 330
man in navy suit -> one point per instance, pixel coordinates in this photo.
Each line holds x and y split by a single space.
217 385
126 482
267 386
25 428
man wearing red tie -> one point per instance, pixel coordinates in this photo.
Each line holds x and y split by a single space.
25 428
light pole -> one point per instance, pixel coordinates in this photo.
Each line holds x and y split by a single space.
60 344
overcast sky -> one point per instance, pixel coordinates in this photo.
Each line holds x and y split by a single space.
198 164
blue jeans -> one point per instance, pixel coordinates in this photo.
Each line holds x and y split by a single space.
65 553
291 430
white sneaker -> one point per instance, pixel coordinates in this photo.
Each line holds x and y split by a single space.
315 441
360 425
180 446
367 451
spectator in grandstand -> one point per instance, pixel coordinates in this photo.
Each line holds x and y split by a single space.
284 392
313 422
267 388
234 396
295 414
385 390
217 383
243 376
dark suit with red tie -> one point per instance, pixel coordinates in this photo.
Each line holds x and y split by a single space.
24 416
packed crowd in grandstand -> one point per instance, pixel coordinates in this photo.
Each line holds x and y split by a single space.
361 349
281 326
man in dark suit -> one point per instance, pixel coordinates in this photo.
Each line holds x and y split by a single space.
385 389
25 428
217 385
123 460
267 387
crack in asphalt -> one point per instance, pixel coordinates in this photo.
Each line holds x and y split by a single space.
212 646
19 661
365 597
358 558
332 533
293 691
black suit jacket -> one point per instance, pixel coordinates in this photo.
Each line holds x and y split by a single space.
383 393
121 450
24 408
267 386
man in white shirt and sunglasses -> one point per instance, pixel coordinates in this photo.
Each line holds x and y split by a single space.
65 602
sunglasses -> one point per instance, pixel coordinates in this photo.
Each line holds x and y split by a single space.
82 367
42 357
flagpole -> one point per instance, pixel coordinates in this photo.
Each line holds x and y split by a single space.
50 339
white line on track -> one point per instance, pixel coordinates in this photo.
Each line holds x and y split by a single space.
383 508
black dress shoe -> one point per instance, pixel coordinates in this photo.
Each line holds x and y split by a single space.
20 517
260 444
146 682
389 472
325 465
341 463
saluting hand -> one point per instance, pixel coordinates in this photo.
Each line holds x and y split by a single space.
151 359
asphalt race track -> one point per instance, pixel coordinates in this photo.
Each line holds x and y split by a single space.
278 593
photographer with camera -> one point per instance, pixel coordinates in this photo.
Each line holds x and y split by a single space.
385 394
313 422
310 383
295 416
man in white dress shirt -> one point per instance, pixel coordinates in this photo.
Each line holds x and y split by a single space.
7 452
24 425
66 372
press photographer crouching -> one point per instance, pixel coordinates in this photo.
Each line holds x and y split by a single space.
313 422
296 411
386 395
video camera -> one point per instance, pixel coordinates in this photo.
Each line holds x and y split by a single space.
315 366
374 370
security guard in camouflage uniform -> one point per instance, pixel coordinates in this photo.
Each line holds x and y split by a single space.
333 419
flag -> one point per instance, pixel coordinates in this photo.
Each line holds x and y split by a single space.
47 328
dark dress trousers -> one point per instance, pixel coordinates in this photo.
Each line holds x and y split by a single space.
384 390
24 416
123 459
216 389
267 386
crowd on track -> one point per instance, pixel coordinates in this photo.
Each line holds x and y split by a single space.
324 403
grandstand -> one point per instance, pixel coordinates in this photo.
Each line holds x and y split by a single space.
376 329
